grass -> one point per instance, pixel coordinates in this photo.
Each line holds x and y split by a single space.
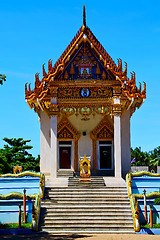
15 225
148 225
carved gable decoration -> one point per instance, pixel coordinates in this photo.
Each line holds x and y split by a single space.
104 130
104 133
65 130
65 134
85 65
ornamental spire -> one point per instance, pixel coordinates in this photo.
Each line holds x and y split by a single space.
84 16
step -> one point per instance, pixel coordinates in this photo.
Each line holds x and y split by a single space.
85 190
81 223
80 214
88 200
86 231
103 207
88 217
104 188
83 196
85 228
89 195
86 207
81 203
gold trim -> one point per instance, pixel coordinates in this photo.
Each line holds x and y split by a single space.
138 174
149 195
26 173
134 206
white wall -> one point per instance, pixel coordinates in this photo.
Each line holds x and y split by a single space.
85 142
44 143
125 143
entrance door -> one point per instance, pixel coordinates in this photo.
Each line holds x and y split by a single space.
105 155
65 150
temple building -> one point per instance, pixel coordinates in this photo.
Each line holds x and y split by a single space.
84 103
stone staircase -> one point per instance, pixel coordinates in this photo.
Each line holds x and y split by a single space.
89 207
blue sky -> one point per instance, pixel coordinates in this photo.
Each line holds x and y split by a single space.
32 32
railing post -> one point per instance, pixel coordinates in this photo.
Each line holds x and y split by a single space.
130 184
151 216
145 206
24 206
19 216
137 217
33 217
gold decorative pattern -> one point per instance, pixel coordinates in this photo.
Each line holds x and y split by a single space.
65 124
74 92
117 109
106 125
53 109
104 133
117 91
64 133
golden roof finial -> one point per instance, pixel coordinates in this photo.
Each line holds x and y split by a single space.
84 16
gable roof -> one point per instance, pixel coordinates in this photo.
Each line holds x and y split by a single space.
84 34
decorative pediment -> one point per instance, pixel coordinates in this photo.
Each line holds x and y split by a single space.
65 130
85 65
65 134
104 130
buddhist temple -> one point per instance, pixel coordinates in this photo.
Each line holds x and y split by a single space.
84 103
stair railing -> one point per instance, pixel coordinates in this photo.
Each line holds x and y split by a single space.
35 197
134 203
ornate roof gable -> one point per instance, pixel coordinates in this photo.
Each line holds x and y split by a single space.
85 65
84 58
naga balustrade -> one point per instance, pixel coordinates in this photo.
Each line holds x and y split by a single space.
134 197
36 198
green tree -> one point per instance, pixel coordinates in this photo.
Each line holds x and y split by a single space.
2 78
142 158
16 152
155 156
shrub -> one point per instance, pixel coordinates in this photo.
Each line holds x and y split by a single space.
157 201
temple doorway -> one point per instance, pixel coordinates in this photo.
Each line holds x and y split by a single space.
105 155
65 152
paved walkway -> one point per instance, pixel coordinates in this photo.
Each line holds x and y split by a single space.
82 237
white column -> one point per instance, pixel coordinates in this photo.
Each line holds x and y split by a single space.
117 138
53 152
44 143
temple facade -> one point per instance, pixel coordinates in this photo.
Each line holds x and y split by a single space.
84 103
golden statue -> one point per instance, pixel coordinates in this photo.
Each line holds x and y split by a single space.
85 168
17 169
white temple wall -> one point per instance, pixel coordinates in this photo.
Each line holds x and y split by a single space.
125 143
85 147
44 143
85 142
